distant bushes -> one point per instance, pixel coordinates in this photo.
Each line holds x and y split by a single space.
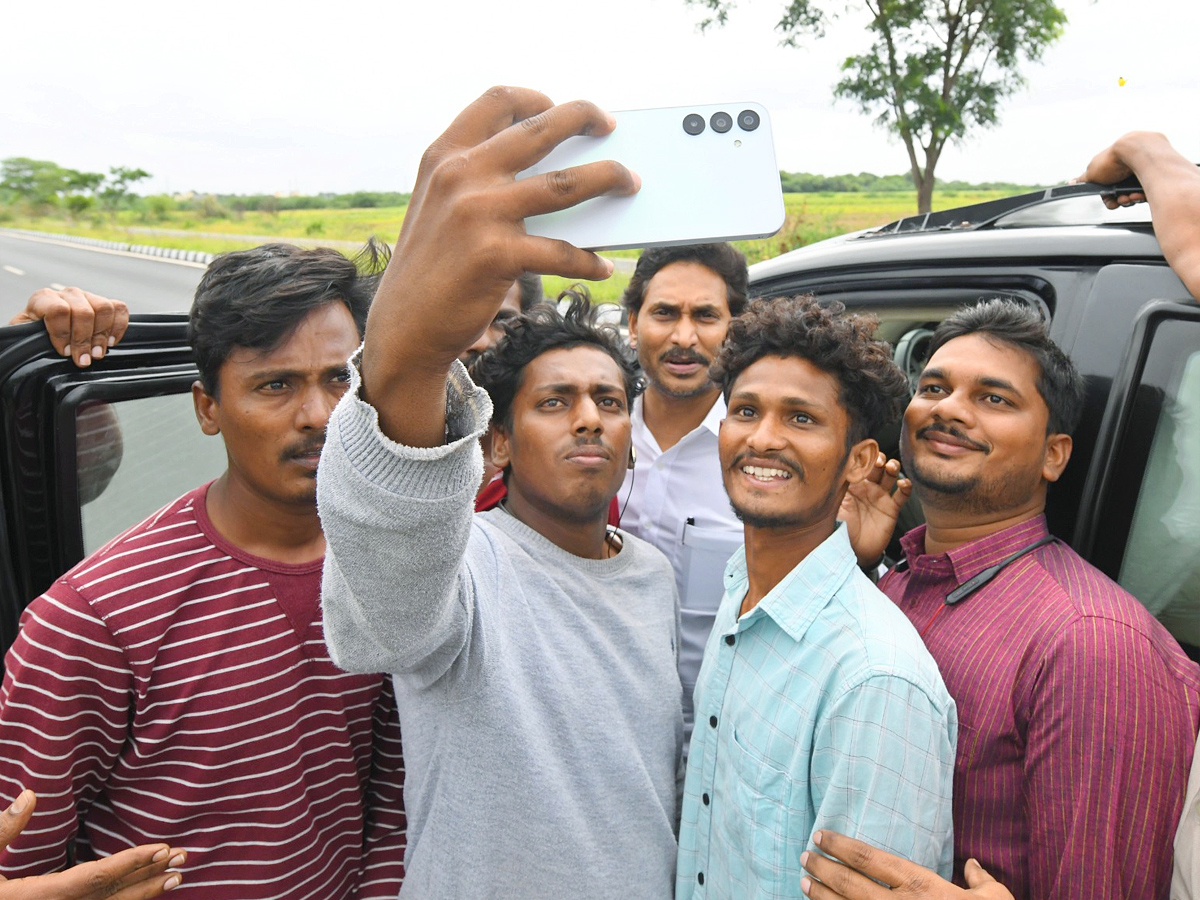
866 182
270 203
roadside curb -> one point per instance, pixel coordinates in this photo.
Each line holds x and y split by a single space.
140 249
620 264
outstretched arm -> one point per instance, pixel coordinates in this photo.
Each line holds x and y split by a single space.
400 468
81 325
138 873
463 244
887 717
853 870
1170 184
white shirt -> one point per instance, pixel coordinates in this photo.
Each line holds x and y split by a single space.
1185 880
676 500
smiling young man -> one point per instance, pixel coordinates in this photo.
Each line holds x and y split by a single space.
532 650
817 706
680 302
175 685
1078 711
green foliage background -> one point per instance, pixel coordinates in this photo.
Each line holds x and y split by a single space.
817 206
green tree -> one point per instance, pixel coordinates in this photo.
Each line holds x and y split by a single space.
84 181
212 208
935 70
43 183
160 207
115 189
79 204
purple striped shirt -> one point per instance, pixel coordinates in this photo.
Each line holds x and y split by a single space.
1077 717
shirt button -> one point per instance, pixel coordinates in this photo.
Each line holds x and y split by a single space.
704 799
700 877
730 639
712 721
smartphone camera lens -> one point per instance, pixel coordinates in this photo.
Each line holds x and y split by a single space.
693 124
747 119
720 122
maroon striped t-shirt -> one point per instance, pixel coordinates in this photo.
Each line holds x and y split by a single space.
173 688
1077 717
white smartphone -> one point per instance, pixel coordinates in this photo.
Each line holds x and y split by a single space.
708 174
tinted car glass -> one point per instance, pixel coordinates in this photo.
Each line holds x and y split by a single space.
135 456
1160 563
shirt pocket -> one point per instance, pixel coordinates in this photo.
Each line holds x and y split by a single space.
761 808
705 554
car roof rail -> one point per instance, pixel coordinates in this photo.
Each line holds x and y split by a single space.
980 215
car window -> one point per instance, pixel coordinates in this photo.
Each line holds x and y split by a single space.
1161 564
135 456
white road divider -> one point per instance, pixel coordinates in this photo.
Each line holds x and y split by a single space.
141 249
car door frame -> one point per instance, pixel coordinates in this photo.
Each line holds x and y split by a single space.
41 531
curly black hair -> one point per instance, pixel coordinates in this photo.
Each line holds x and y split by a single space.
873 389
500 369
1062 387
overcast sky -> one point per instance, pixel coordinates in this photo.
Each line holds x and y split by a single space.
254 96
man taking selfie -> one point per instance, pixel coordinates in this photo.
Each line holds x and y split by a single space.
532 650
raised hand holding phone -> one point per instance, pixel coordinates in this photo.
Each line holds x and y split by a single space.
708 174
464 242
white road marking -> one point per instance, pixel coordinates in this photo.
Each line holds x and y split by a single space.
161 259
55 286
13 270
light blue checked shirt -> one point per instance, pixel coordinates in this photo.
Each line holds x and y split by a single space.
820 708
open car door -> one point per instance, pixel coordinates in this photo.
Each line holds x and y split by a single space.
89 452
1140 519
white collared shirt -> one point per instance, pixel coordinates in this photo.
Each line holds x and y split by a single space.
676 500
1185 880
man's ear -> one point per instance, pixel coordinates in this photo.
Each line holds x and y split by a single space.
1058 454
633 316
501 446
861 460
207 409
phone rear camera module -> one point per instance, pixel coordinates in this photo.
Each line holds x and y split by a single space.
748 120
721 122
693 124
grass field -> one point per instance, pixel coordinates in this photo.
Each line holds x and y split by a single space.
810 218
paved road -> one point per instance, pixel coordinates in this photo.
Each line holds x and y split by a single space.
147 284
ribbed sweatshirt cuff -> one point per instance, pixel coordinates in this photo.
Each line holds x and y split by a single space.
422 473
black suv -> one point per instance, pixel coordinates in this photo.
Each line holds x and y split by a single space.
1130 499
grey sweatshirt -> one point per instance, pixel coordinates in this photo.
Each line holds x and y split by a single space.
538 691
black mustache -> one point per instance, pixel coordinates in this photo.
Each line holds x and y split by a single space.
684 356
953 432
304 449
